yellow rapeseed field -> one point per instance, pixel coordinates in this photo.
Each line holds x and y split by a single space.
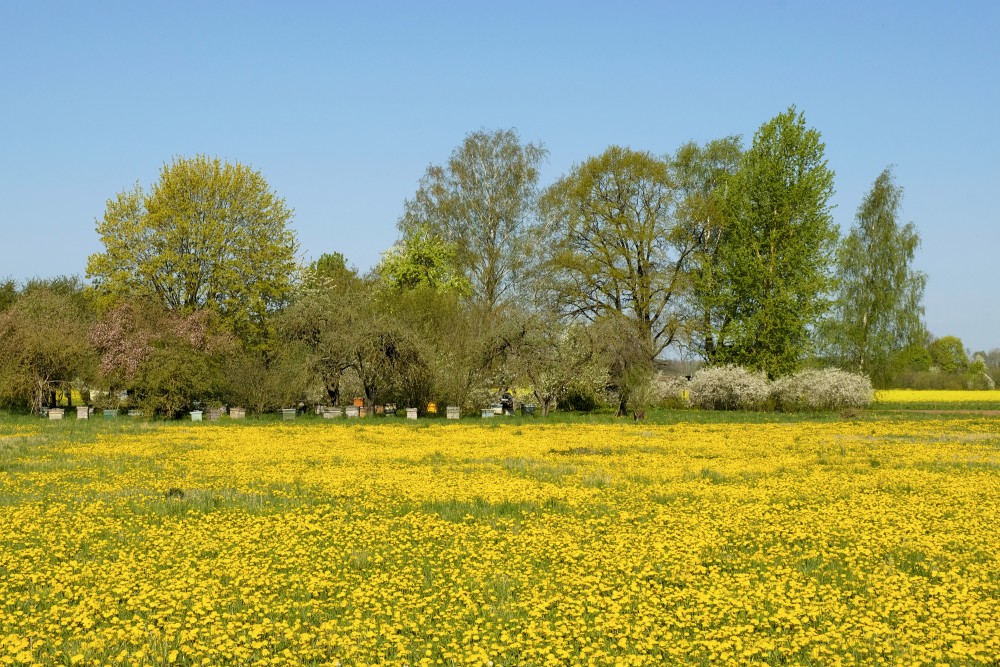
837 543
938 396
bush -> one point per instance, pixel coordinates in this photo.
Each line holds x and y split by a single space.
579 398
822 390
728 388
979 378
671 391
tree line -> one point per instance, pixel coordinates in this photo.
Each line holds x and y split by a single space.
573 293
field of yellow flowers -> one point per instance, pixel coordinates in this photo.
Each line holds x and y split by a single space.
868 542
978 399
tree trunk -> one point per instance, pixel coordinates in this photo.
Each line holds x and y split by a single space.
333 393
544 403
622 407
371 392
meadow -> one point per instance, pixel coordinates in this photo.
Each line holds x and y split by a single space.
758 541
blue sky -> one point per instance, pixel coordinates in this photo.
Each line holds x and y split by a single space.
343 105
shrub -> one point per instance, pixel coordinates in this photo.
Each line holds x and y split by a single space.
671 391
728 388
822 390
579 398
979 378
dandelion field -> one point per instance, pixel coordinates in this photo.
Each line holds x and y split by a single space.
860 542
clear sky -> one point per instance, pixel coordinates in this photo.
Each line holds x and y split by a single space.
342 106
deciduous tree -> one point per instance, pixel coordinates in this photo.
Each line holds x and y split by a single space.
43 343
949 355
207 236
701 174
551 356
879 302
773 274
482 203
166 361
422 259
614 247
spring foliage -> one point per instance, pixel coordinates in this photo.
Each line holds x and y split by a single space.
481 204
729 388
822 390
773 274
208 235
735 388
880 297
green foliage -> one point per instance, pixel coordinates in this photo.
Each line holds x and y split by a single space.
208 235
613 246
330 271
43 342
175 377
623 353
773 272
353 330
701 175
481 204
423 259
913 358
936 380
8 294
407 346
263 383
551 357
880 298
943 364
724 250
992 361
464 348
166 361
948 354
580 398
979 374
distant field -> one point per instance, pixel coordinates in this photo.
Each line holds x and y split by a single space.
913 399
853 542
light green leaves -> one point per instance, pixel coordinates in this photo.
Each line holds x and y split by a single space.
208 235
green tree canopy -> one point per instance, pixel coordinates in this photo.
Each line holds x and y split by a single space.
481 203
208 235
613 244
913 358
422 259
43 342
329 272
948 354
166 360
879 301
773 275
702 174
8 293
551 356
